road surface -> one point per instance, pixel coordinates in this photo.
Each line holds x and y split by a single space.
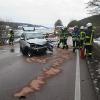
17 72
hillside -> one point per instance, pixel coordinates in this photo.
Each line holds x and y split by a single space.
15 25
93 19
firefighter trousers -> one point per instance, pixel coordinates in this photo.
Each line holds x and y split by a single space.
64 43
76 45
89 49
81 43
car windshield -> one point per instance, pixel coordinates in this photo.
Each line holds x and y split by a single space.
34 35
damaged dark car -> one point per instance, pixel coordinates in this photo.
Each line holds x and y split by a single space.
33 42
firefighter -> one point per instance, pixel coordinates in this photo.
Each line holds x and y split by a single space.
75 37
89 40
65 37
60 37
11 37
82 37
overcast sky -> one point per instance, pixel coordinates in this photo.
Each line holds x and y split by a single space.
44 12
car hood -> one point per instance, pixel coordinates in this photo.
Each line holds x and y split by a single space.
37 41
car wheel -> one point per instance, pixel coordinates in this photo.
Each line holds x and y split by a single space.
23 51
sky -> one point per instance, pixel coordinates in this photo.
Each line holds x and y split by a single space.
43 12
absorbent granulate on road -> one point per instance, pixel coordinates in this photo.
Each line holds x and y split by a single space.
54 69
37 84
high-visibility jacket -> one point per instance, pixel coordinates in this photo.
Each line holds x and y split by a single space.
89 37
9 35
63 35
75 37
82 35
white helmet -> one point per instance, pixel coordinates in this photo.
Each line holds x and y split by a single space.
89 25
82 27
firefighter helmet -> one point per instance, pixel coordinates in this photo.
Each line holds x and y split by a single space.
89 25
82 27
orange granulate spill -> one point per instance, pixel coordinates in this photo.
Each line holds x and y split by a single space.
40 81
24 92
36 84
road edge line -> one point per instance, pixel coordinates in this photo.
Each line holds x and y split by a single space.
77 79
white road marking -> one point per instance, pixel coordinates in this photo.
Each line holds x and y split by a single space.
77 81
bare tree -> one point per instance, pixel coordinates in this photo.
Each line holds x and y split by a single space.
93 7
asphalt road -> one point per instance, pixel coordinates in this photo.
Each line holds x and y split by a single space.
17 72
